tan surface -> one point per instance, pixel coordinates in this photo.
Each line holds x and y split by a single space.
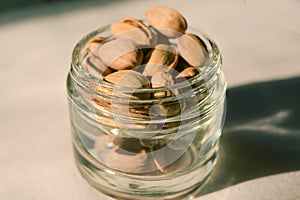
260 41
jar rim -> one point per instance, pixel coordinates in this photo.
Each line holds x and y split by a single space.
206 72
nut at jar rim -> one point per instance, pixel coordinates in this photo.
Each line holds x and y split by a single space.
162 59
193 50
167 21
120 54
134 29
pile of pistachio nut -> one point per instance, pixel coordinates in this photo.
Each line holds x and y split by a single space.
155 53
146 54
146 49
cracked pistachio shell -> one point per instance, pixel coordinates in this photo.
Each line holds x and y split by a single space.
120 54
96 67
130 79
135 30
163 58
94 43
167 21
193 50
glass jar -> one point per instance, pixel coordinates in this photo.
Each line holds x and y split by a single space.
160 156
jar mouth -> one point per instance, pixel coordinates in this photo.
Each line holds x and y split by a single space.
86 79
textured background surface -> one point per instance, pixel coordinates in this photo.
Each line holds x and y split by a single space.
260 148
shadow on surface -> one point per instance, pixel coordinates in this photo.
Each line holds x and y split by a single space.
261 135
20 10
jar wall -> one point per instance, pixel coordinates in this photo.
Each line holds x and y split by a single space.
142 157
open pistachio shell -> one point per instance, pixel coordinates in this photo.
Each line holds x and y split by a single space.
135 30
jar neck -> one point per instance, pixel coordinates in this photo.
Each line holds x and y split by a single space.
89 82
199 96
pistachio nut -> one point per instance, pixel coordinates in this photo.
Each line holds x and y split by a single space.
163 58
128 78
168 160
120 54
94 43
161 79
121 105
135 163
186 74
129 144
135 30
153 144
164 110
181 65
167 21
193 50
96 67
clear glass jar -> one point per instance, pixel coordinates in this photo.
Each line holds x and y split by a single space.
156 157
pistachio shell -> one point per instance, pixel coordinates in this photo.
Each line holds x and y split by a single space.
95 42
127 144
181 65
128 78
96 67
120 104
166 20
164 110
135 30
193 50
167 160
129 162
163 58
187 73
161 79
120 54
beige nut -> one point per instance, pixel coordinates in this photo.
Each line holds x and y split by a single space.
126 144
161 79
128 78
162 59
94 43
186 74
164 110
120 103
96 67
135 163
135 30
120 54
193 50
167 160
167 21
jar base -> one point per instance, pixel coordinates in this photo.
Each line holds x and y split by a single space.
132 187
